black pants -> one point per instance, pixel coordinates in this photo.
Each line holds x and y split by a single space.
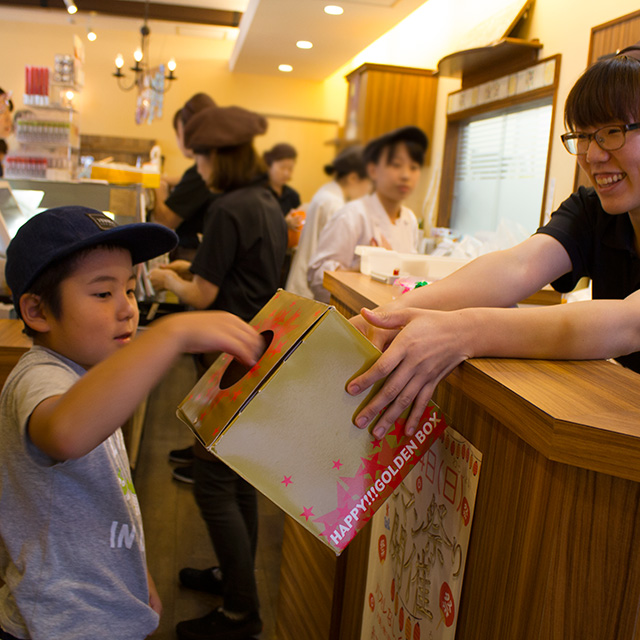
7 636
229 506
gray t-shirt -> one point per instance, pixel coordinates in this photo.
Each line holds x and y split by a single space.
71 542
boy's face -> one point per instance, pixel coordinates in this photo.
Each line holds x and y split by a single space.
99 312
395 178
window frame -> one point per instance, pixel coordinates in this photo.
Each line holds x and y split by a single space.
457 118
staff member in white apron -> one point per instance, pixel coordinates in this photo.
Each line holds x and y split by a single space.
394 161
350 181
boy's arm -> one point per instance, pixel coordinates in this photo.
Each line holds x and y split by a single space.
154 597
71 425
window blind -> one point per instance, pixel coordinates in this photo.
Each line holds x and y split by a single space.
500 168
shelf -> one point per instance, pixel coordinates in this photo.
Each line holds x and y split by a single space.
473 62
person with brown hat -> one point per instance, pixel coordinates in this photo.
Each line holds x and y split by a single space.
181 204
236 269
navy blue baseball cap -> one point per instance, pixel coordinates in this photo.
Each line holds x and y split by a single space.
60 232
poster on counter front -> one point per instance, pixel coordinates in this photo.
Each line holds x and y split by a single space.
419 543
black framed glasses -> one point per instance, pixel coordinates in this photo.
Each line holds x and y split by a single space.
608 138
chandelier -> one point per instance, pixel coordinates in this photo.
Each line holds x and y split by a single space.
151 82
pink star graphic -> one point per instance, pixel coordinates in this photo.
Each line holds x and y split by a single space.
307 512
337 464
287 481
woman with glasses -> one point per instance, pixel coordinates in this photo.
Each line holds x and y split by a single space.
595 233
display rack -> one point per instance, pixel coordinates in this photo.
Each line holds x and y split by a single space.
47 129
48 138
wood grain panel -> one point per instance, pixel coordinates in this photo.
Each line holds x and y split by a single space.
553 553
306 586
386 97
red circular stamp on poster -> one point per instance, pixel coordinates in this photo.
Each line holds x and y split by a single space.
447 605
382 548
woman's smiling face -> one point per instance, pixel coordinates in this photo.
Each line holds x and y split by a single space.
615 175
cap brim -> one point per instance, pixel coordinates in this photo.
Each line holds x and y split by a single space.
144 240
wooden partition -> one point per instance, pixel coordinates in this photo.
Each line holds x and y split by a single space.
554 551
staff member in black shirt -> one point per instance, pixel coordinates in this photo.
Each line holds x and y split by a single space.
182 205
237 269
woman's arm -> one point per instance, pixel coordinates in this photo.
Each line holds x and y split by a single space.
420 347
197 292
432 343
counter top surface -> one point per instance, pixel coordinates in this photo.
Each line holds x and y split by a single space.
584 413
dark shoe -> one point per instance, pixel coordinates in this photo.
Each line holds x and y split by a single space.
183 456
183 474
216 626
209 580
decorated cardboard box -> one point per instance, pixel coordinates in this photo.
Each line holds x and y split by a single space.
286 424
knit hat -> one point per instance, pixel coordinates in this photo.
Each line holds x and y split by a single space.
281 151
194 105
216 127
60 232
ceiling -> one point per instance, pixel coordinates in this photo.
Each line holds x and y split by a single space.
267 29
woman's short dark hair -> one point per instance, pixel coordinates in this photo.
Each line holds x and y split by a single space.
350 160
234 167
608 91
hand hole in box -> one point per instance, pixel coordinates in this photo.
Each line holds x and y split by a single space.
236 370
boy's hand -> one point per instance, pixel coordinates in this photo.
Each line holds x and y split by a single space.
154 598
428 347
207 331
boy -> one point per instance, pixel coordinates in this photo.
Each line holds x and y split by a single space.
72 551
394 162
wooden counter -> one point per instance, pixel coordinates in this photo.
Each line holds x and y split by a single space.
13 343
554 550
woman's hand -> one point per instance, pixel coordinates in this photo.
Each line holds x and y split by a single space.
380 338
294 220
181 267
428 346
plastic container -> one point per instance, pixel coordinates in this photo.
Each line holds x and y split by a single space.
378 260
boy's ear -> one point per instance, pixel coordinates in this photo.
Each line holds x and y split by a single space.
31 310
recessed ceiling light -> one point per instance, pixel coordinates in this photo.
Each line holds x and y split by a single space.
334 10
285 67
304 44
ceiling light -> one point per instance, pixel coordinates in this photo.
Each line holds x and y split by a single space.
304 44
71 7
286 68
334 10
91 34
